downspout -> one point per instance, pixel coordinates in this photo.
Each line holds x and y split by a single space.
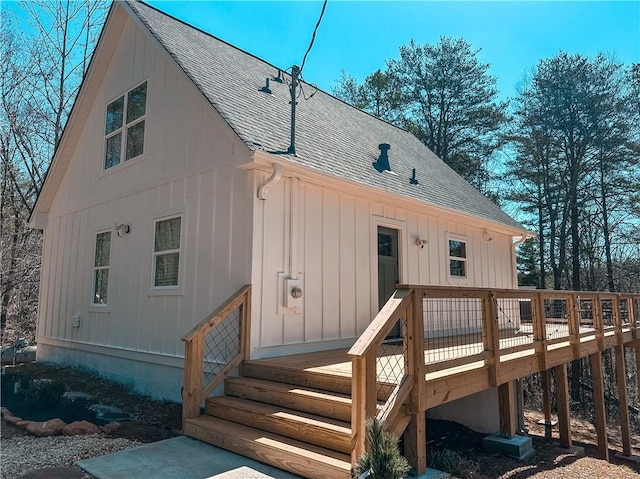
514 263
264 188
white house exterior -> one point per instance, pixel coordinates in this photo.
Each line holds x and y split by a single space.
170 190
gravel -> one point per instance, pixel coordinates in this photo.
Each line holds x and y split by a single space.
22 454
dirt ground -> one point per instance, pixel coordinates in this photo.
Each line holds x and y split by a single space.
157 420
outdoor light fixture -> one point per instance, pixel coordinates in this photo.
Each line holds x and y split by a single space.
122 229
421 242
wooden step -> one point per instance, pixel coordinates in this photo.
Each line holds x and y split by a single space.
294 456
263 369
322 431
313 401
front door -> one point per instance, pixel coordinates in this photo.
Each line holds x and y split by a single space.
388 271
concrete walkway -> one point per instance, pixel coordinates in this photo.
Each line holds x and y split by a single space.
179 458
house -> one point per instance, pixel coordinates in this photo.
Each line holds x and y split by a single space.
174 185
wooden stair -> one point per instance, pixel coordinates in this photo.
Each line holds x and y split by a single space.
285 418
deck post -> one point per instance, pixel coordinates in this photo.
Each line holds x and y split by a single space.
507 409
546 403
636 349
621 378
415 438
539 330
358 408
192 383
415 443
491 335
574 325
598 397
564 414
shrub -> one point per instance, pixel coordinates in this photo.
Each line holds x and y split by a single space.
383 460
451 462
43 394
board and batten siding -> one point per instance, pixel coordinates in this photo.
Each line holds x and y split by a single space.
188 168
327 239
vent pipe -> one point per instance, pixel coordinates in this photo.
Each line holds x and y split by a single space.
295 72
382 164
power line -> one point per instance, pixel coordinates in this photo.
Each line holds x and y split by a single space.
313 37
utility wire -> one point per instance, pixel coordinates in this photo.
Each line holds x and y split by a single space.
313 37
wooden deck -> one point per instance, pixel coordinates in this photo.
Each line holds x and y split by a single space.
306 412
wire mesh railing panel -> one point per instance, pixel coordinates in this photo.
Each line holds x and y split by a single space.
608 315
221 346
636 311
390 357
453 328
515 322
625 318
556 318
585 314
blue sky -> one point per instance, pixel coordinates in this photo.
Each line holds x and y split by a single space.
359 36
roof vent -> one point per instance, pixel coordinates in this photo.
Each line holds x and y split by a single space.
413 180
383 161
278 79
266 88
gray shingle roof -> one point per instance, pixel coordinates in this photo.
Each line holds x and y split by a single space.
331 136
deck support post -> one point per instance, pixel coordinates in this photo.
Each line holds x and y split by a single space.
562 397
599 404
507 409
415 443
491 336
415 438
636 349
621 378
546 403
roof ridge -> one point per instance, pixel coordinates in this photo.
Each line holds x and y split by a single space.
235 47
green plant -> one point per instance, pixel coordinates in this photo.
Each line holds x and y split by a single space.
450 461
383 459
42 394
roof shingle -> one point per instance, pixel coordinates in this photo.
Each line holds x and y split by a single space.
332 137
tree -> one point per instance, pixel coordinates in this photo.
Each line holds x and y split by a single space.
443 95
43 62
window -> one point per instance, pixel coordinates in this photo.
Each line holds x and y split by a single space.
457 258
166 253
124 127
101 268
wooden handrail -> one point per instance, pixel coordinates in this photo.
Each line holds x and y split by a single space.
194 391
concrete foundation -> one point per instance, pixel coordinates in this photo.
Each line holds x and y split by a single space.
518 447
478 411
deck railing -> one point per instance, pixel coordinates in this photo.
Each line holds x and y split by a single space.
387 361
214 348
438 328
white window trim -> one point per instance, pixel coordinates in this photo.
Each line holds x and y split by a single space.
123 129
461 239
97 268
167 290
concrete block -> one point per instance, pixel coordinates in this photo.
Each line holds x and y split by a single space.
518 447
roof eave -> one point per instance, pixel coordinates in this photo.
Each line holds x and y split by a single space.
264 161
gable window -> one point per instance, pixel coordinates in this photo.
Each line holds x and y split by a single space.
166 253
101 268
457 258
124 127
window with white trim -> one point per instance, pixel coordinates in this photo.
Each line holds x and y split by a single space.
166 253
457 258
124 127
101 268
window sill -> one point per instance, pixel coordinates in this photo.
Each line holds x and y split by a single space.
122 166
97 308
166 292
